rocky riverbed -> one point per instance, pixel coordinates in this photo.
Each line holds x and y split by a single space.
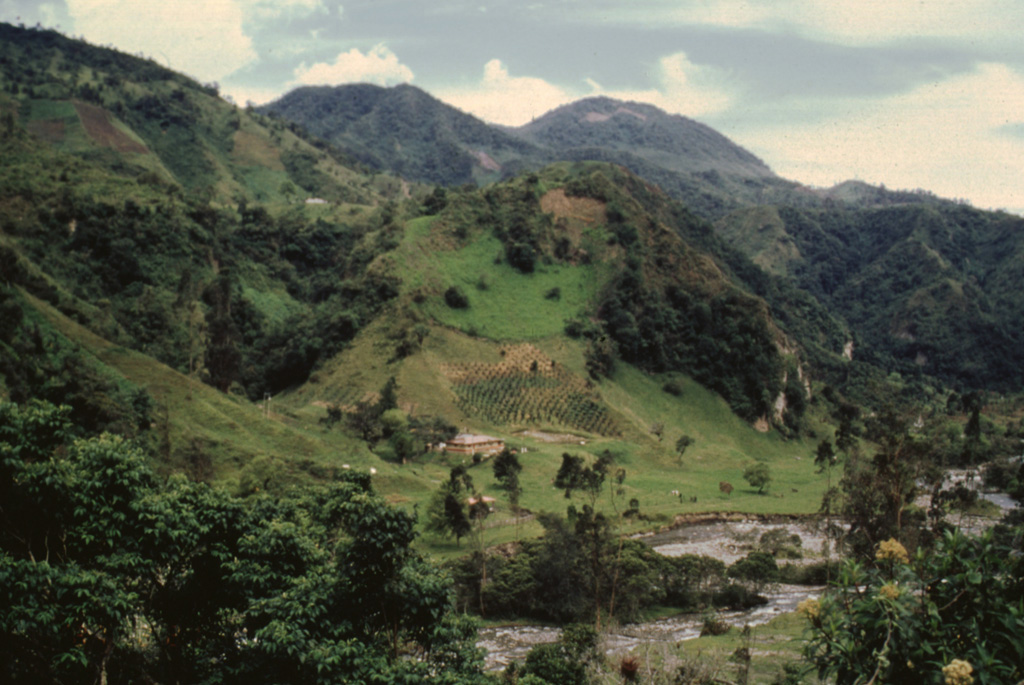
727 540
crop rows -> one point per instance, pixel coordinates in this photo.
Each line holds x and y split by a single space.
528 387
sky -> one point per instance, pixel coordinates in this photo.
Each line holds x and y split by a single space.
911 94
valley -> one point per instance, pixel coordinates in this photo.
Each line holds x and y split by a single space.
233 338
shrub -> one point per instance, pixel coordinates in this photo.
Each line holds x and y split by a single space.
910 619
455 298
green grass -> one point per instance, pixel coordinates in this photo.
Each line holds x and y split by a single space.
723 444
510 305
52 109
264 183
274 305
772 645
233 430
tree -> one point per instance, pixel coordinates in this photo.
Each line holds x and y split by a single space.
879 492
223 357
506 468
682 443
758 475
322 585
455 298
846 437
573 475
825 458
388 396
568 476
447 515
757 569
566 662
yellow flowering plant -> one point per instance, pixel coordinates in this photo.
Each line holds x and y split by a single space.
892 550
958 672
954 616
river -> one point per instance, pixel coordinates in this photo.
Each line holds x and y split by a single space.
722 539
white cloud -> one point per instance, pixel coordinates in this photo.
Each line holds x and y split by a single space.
947 136
274 9
684 88
379 65
243 94
203 38
845 21
500 98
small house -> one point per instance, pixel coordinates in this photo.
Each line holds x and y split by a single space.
470 443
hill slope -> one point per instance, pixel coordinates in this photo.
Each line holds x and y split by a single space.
673 142
142 121
928 286
409 132
406 131
201 258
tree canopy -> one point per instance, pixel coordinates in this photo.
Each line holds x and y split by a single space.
110 574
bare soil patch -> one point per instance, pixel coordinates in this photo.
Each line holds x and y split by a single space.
253 150
100 128
583 209
486 161
554 438
48 130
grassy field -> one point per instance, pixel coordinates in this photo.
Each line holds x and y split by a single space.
504 304
236 432
771 646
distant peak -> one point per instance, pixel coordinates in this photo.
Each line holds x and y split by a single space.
597 117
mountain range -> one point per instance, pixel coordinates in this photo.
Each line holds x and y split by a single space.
914 277
161 247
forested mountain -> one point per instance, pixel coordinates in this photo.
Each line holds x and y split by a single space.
670 141
409 132
923 284
926 285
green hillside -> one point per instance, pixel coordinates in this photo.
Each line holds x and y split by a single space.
157 256
521 306
913 283
927 287
235 359
407 131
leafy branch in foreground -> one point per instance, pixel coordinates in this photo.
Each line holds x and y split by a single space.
957 614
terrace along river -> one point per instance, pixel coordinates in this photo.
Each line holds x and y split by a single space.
725 540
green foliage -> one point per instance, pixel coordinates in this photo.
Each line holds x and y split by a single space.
448 514
926 284
528 386
757 570
38 362
313 586
879 492
402 129
568 661
906 622
682 444
455 298
506 469
758 475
